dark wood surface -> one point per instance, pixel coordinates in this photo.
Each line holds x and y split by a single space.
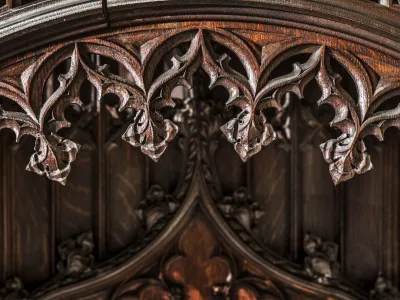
244 170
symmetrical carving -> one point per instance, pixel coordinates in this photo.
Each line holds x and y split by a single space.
258 104
196 271
14 290
321 261
252 91
384 290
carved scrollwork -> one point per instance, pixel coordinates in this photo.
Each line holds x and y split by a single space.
251 90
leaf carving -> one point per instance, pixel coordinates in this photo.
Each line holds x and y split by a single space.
250 130
53 154
347 154
150 130
250 90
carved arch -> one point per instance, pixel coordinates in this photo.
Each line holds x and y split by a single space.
252 92
349 149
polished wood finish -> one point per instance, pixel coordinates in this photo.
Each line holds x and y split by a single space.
245 165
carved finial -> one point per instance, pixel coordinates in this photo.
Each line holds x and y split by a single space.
321 261
14 290
241 207
155 206
384 290
76 255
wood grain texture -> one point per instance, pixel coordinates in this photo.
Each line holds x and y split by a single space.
195 221
271 190
125 192
30 217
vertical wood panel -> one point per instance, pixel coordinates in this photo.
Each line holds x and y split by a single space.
100 209
166 171
319 201
31 218
390 212
295 207
75 199
5 138
270 191
125 168
364 225
232 174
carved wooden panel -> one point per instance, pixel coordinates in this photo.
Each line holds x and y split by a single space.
203 159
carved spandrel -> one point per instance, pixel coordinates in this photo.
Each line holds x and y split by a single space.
251 90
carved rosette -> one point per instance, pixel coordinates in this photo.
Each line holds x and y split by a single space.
252 90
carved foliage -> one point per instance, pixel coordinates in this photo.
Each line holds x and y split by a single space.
384 290
14 290
347 154
241 207
321 261
76 256
252 90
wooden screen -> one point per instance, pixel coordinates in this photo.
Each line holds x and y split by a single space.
211 157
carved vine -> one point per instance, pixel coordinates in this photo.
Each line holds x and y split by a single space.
251 90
